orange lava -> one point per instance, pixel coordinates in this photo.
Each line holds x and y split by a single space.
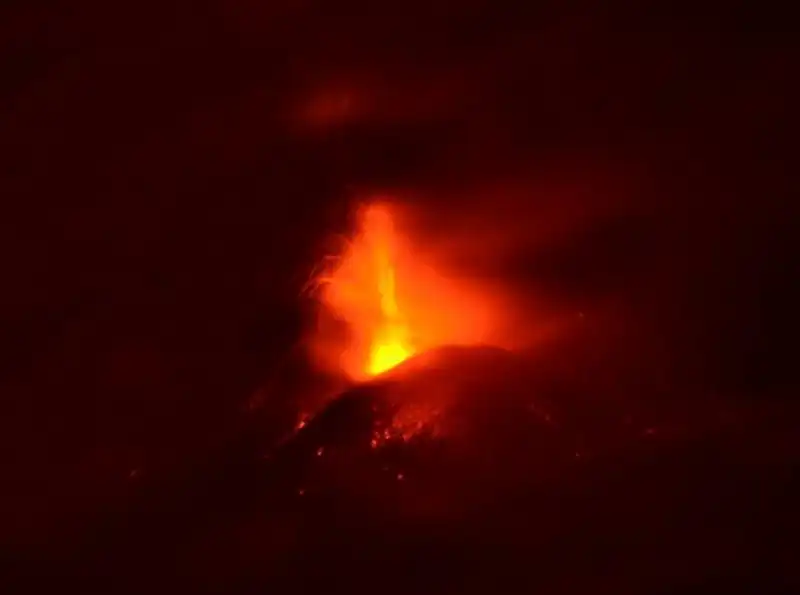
390 344
393 302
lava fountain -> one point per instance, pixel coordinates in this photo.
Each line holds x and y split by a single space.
390 343
394 301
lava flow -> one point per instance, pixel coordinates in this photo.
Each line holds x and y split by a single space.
393 302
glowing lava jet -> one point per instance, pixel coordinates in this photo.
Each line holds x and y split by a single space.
362 291
394 303
391 343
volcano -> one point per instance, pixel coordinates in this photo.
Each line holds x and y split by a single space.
398 297
443 458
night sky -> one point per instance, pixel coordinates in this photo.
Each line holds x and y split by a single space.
170 173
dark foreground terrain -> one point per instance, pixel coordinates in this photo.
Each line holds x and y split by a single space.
512 488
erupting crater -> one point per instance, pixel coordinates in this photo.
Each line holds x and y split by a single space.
401 314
